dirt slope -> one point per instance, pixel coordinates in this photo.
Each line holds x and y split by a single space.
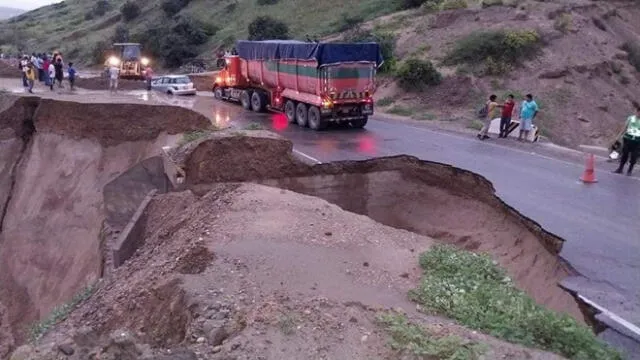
427 198
582 80
243 272
52 181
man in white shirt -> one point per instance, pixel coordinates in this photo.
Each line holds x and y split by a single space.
114 73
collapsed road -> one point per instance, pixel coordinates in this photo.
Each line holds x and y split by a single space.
598 221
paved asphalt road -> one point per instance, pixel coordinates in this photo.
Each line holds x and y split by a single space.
600 222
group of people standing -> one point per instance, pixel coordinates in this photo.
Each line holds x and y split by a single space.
45 69
492 110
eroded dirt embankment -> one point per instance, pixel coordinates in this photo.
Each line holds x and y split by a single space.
56 159
438 200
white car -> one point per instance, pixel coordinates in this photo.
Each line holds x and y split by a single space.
173 85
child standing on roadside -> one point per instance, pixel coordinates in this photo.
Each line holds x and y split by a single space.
52 75
72 75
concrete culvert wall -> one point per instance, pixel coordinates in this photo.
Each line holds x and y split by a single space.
449 204
60 164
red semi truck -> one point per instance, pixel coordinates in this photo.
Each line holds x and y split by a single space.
312 83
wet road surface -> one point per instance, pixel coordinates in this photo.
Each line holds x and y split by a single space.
600 222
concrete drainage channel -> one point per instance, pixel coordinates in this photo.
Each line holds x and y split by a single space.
449 204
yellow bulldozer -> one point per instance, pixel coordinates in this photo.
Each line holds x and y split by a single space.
128 58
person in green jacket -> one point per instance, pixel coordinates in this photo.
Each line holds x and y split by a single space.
630 142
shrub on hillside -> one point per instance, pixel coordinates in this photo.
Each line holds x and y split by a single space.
99 52
489 3
190 30
348 22
387 42
507 48
176 42
268 28
454 4
562 23
412 4
100 8
267 2
121 34
416 75
633 49
172 7
130 10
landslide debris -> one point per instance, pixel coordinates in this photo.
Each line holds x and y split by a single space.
286 281
426 197
56 159
240 261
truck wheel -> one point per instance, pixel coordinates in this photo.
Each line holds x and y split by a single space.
301 115
217 93
360 123
258 101
316 122
245 99
290 111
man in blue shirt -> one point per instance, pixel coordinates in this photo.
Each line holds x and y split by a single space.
528 112
72 75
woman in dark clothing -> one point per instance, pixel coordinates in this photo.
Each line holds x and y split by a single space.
59 71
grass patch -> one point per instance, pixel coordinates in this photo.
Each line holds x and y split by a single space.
454 4
475 124
474 291
287 324
417 75
385 101
633 49
410 339
59 313
497 50
254 126
562 23
400 110
192 136
424 116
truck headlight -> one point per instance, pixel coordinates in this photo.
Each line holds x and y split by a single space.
114 61
144 61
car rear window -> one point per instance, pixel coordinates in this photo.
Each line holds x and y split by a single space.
181 80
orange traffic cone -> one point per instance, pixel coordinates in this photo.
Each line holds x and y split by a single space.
589 175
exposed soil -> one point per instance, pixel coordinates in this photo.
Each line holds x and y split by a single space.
288 281
57 158
114 124
9 70
427 198
203 82
226 269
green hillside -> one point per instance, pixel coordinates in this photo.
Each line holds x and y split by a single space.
82 28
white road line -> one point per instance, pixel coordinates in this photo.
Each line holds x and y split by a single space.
627 325
307 156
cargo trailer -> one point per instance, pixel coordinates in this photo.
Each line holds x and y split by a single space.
314 84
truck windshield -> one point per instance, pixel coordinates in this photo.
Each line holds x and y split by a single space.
131 52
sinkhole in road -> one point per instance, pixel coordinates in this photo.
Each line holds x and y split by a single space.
402 200
449 204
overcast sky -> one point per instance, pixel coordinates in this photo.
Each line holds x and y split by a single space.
26 4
